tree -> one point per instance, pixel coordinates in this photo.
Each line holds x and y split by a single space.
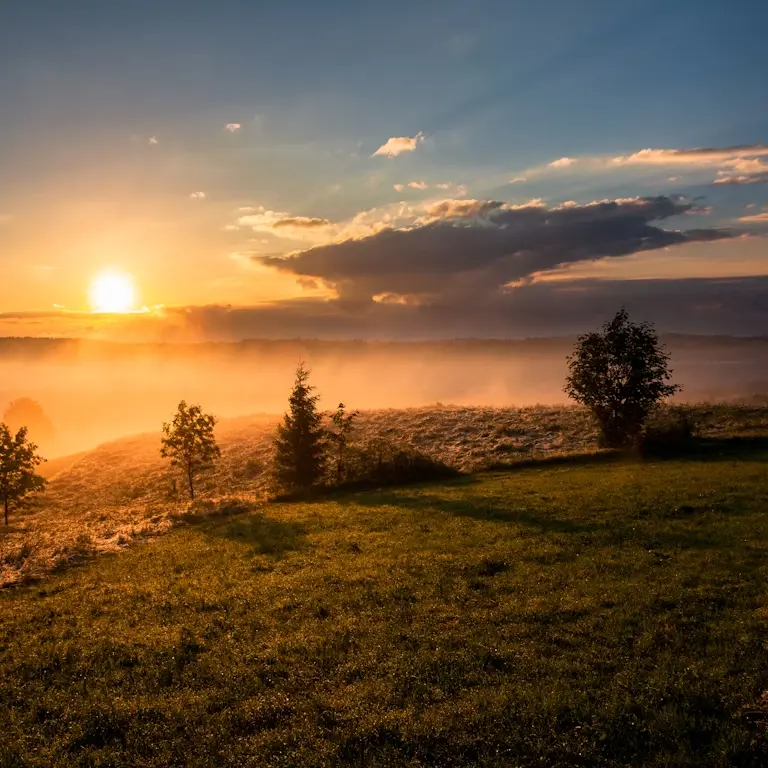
25 412
18 459
621 375
189 442
343 424
299 456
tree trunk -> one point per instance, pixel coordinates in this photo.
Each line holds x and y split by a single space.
191 485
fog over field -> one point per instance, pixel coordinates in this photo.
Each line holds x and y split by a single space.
98 391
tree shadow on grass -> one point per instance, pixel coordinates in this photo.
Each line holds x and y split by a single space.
544 461
478 508
747 448
264 535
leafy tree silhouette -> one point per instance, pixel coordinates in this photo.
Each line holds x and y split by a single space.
621 375
343 423
18 460
189 442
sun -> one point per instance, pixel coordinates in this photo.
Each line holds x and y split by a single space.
112 292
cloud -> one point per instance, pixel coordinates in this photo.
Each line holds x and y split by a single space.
284 225
757 218
458 189
701 305
476 247
153 141
755 178
399 144
302 222
197 196
706 156
519 179
563 162
232 127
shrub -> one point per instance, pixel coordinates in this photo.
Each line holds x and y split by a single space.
382 462
669 432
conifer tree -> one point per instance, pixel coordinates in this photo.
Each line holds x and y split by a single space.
299 460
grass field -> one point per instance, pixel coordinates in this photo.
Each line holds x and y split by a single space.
104 500
594 612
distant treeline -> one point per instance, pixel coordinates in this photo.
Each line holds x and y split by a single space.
31 348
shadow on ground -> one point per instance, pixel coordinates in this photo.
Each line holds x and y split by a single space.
264 535
751 448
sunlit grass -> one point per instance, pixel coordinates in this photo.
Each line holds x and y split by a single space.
104 500
582 614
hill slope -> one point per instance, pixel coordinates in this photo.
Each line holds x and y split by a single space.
102 500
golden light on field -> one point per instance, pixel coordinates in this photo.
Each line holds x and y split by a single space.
112 292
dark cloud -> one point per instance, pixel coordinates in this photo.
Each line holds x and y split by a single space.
704 305
708 306
476 247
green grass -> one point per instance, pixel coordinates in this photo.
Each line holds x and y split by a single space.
605 613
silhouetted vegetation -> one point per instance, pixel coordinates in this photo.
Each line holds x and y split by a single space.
620 375
299 462
18 461
339 434
383 462
668 432
189 442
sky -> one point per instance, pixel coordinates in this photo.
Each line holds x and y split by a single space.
368 170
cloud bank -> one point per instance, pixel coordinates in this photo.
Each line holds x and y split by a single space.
476 248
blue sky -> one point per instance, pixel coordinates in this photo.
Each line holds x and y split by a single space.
115 151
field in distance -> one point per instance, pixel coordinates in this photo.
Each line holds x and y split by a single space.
593 612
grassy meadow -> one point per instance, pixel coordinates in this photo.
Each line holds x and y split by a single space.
106 499
585 610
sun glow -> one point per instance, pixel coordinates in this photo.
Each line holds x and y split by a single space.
112 292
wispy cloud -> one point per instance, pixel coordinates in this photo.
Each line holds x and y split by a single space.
153 141
757 218
702 156
563 162
748 178
302 222
232 127
458 189
399 144
197 196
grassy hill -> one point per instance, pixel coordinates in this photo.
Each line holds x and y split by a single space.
593 612
103 500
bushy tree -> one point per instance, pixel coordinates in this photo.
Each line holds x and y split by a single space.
343 423
18 460
188 441
620 373
299 460
25 412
